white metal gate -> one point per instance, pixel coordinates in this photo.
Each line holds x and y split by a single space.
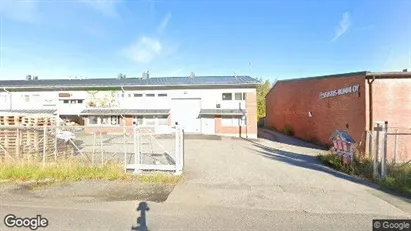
161 152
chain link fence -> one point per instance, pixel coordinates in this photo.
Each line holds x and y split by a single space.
399 144
137 148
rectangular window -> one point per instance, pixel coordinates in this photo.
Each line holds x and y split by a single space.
162 95
105 120
162 120
227 121
242 121
138 120
227 96
65 101
92 119
129 95
73 101
138 95
80 101
149 120
239 96
115 120
150 95
27 98
122 95
230 121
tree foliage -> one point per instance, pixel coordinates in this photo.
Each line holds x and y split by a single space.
262 91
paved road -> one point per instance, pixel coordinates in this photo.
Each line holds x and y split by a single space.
237 185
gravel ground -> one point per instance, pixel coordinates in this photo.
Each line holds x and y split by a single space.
88 191
156 149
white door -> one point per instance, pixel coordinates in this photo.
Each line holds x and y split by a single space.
208 125
186 112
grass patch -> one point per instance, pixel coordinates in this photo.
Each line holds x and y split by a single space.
72 171
398 176
288 130
62 172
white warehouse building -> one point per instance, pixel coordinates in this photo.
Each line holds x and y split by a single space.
221 105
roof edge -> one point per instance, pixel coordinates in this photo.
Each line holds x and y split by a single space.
326 76
364 73
398 74
253 84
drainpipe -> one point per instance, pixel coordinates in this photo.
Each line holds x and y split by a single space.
9 97
371 114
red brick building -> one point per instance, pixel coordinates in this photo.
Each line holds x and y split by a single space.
315 107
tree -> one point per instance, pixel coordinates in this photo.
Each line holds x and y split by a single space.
262 90
121 76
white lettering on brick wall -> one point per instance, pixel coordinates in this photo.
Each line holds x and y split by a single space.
342 91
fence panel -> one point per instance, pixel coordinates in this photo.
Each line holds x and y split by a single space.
137 148
399 144
33 143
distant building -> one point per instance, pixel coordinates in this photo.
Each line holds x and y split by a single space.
315 107
222 105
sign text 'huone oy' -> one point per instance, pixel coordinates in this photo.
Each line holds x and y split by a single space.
342 91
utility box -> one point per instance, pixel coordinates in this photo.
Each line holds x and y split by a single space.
343 145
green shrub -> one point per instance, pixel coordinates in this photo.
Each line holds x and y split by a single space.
363 167
261 123
334 161
288 130
398 176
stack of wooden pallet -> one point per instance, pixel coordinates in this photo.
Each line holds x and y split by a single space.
8 136
6 120
37 121
24 135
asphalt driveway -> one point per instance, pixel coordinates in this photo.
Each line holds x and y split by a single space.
264 175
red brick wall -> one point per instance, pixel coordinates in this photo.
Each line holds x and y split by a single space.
220 129
251 106
251 129
392 103
291 101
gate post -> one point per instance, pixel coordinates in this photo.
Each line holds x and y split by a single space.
178 151
377 144
125 146
136 144
182 149
369 138
44 144
384 154
396 146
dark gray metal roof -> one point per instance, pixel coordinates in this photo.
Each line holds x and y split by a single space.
31 111
218 111
130 82
121 111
